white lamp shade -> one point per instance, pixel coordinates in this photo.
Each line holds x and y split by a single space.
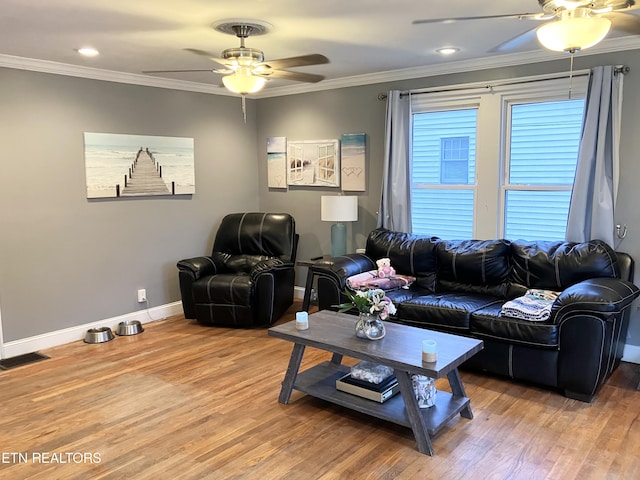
575 30
243 84
336 208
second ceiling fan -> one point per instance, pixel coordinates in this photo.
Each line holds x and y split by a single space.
569 25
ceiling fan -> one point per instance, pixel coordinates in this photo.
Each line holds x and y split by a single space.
569 25
245 69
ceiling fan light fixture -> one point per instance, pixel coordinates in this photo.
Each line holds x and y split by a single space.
243 83
576 30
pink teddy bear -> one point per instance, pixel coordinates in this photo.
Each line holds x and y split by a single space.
385 270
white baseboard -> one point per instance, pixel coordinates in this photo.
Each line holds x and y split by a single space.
73 334
631 353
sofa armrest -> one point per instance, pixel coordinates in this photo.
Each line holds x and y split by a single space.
604 295
593 318
343 267
332 274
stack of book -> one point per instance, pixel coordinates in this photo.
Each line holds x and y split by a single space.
378 392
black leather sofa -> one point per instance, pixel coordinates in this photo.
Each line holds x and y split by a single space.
248 279
461 286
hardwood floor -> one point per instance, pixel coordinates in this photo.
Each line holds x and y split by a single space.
183 401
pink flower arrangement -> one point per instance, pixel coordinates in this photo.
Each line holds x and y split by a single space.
369 301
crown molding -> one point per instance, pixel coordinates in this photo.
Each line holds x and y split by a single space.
45 66
498 61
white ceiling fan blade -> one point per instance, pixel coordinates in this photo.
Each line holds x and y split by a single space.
300 61
516 42
520 16
209 55
179 71
289 75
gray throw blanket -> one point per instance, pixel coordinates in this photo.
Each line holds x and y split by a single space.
534 306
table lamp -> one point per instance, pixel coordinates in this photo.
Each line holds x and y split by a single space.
338 209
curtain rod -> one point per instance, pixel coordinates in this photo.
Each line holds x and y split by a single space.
624 69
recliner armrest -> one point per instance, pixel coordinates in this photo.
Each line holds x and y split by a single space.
343 267
268 266
604 295
199 266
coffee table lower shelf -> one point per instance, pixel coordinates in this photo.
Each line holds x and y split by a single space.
320 382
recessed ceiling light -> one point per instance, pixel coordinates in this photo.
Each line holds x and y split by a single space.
88 51
447 50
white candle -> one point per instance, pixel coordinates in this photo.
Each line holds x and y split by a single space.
429 352
302 320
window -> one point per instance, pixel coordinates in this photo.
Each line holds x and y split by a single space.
454 159
543 149
443 175
495 163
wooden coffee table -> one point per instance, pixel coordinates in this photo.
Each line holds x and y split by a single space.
400 349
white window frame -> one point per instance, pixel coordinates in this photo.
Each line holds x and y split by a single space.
493 103
327 165
548 92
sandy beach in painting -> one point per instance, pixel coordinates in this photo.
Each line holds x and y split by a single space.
353 150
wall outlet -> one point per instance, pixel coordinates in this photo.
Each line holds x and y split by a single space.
142 295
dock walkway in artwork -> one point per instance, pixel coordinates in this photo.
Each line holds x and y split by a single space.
145 178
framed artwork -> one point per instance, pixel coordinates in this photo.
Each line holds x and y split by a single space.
313 163
277 162
121 165
353 156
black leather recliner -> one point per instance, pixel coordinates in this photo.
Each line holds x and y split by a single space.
249 278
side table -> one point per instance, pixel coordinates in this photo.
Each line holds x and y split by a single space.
306 300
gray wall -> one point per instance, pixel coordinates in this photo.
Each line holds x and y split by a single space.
67 261
329 114
316 116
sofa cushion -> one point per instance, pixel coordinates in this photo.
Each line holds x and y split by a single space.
474 266
558 265
402 295
412 255
443 311
488 323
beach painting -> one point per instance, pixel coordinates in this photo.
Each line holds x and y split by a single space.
277 162
353 146
313 163
123 165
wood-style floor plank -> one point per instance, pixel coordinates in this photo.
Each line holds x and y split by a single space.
184 401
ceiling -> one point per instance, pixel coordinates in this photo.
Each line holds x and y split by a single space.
367 41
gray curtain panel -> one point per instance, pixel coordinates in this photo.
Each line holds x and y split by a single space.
591 212
395 200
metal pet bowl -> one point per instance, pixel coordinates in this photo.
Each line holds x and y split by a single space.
130 327
98 335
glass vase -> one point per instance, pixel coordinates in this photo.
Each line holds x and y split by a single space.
370 326
425 391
